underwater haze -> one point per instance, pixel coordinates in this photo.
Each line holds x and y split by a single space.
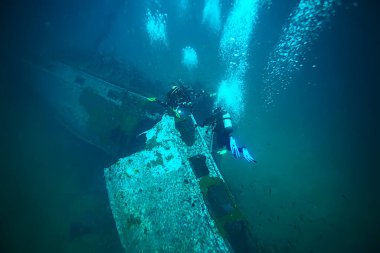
299 77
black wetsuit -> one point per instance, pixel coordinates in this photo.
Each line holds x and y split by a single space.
180 96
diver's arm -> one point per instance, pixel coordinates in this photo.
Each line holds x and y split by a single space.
208 121
211 119
160 102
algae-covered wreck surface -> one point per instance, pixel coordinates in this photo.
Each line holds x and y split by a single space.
171 197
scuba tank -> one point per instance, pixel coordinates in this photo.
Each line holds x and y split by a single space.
227 123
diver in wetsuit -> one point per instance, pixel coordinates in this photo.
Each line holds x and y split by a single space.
220 122
180 99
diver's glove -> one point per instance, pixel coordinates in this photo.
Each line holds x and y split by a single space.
234 148
247 156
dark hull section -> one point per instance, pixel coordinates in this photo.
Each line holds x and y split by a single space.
105 115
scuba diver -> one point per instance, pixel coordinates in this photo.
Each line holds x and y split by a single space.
180 99
220 123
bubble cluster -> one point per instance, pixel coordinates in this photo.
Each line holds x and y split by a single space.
237 31
233 50
230 96
156 27
211 14
189 58
305 24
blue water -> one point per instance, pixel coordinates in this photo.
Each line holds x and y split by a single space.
314 187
